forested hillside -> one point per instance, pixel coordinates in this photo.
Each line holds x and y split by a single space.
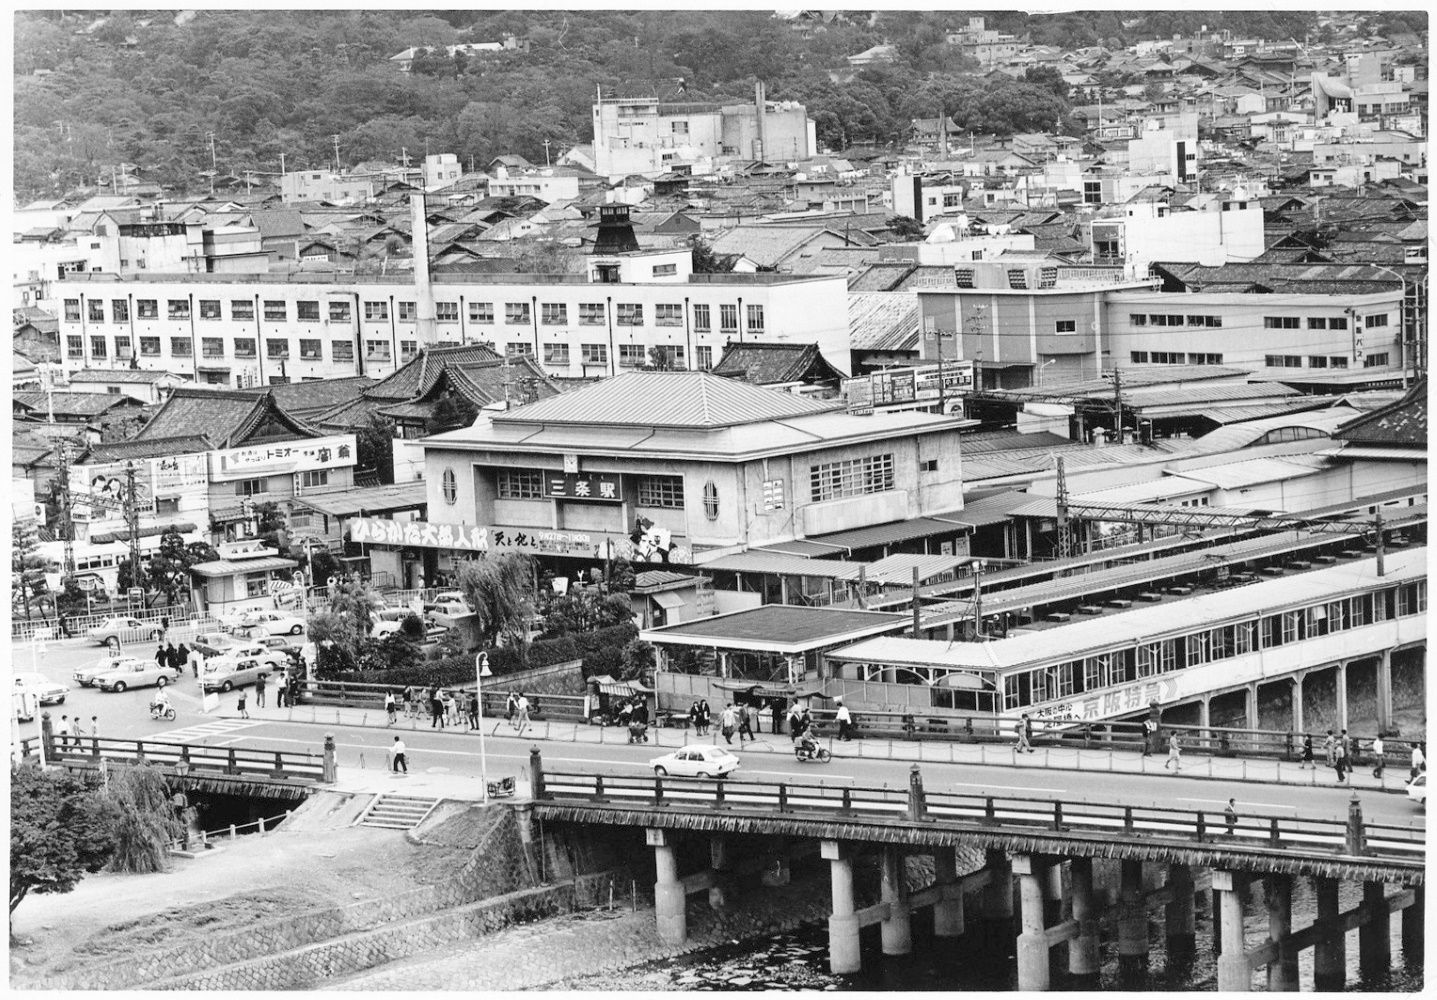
144 90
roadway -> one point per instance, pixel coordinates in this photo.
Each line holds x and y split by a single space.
456 753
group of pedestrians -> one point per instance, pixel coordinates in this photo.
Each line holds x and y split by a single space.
68 733
172 657
699 717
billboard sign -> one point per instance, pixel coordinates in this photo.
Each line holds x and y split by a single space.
653 545
282 457
599 487
906 386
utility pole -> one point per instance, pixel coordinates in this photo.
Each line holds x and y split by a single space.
546 153
214 169
1381 546
1065 542
1118 405
978 600
67 526
335 137
132 521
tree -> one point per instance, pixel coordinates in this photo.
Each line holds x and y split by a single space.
144 819
639 660
585 611
905 227
662 359
500 589
59 832
167 573
27 566
374 446
1049 78
705 260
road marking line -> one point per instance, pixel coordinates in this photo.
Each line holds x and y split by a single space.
989 784
1223 802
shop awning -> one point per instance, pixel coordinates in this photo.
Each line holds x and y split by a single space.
147 531
668 599
226 567
624 689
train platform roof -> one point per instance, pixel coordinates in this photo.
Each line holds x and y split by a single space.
778 628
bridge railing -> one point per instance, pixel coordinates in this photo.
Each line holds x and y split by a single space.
200 760
1111 735
25 629
354 694
1291 834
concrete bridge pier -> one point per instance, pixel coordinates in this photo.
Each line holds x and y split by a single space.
721 863
843 950
948 910
1384 691
1282 970
1250 699
1178 918
1329 954
1234 975
1412 930
1083 955
1132 927
1298 726
1341 695
896 927
1374 940
669 894
1033 941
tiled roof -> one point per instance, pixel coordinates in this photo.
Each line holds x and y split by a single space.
772 364
883 276
87 404
766 246
1403 423
137 375
277 223
116 451
883 321
419 375
667 399
223 417
305 399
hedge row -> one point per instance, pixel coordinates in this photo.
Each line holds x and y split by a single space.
601 652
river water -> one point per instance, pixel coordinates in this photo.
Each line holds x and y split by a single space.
799 961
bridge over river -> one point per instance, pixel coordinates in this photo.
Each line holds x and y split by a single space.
1044 848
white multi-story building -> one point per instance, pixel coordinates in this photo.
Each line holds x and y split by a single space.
243 330
644 136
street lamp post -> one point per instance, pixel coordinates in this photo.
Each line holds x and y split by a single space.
481 671
1045 364
1409 347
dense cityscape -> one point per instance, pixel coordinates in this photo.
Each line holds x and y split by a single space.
646 500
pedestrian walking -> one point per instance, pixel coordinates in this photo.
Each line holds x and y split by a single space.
745 724
1028 733
390 706
1307 753
1346 745
845 720
704 717
1021 728
727 722
259 690
182 657
172 657
62 731
1419 760
1231 813
1150 729
755 720
450 713
473 711
511 707
775 708
694 717
79 730
65 627
281 688
240 705
794 714
94 727
521 713
1175 754
436 710
1340 763
195 659
1329 748
164 625
407 696
397 759
160 656
1377 761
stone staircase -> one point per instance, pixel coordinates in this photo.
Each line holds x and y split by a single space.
397 812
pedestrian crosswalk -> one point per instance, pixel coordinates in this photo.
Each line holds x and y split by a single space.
204 730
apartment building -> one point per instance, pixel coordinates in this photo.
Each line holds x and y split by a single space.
245 330
1333 325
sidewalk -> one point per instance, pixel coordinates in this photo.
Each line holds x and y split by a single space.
1123 761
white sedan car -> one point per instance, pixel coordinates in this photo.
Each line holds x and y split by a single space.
1417 790
697 761
271 622
85 676
46 691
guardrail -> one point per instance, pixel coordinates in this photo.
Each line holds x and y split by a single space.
353 694
201 761
201 838
1217 741
1290 834
24 629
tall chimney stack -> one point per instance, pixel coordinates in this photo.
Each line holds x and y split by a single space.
425 325
758 101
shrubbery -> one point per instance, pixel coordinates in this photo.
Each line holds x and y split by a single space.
601 652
